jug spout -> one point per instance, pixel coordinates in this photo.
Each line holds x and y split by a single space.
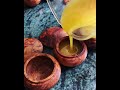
84 33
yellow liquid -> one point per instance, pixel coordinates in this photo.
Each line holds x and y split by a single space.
71 42
65 49
79 14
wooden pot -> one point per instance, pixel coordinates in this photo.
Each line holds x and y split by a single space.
41 72
73 60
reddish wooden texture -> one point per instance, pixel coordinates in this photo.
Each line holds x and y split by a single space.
66 1
41 82
31 46
91 43
32 3
71 61
51 36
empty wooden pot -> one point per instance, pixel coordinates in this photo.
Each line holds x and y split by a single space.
91 43
70 60
31 3
31 46
41 72
51 35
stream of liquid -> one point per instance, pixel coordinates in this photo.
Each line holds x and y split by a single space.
79 14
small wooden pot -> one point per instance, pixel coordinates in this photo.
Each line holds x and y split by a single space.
31 3
73 60
91 43
41 72
31 46
51 35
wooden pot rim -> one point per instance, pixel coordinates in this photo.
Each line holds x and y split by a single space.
36 55
84 47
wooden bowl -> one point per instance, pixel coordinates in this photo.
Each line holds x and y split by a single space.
31 46
91 43
72 60
41 72
51 35
32 3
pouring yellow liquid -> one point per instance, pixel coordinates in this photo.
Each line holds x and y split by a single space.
64 47
79 15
